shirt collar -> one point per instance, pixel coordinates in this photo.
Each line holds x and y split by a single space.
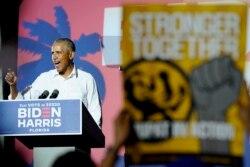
73 73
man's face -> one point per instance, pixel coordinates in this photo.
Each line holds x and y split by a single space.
61 58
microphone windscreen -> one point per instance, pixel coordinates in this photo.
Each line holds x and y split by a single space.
54 94
44 95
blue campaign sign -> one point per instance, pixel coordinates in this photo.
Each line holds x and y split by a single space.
40 117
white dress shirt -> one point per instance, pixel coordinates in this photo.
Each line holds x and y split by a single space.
78 85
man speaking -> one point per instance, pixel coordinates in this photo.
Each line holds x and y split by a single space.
66 81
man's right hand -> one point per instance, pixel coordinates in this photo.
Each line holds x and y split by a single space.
11 77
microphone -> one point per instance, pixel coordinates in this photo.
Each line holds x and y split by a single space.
26 89
54 94
44 95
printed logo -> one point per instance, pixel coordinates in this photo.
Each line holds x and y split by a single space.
39 117
157 92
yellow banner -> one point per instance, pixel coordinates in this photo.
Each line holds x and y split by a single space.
183 79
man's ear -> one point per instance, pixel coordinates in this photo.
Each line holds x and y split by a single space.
72 55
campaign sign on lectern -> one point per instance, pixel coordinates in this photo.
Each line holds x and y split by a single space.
40 117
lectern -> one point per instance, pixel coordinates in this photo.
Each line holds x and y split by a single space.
50 123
